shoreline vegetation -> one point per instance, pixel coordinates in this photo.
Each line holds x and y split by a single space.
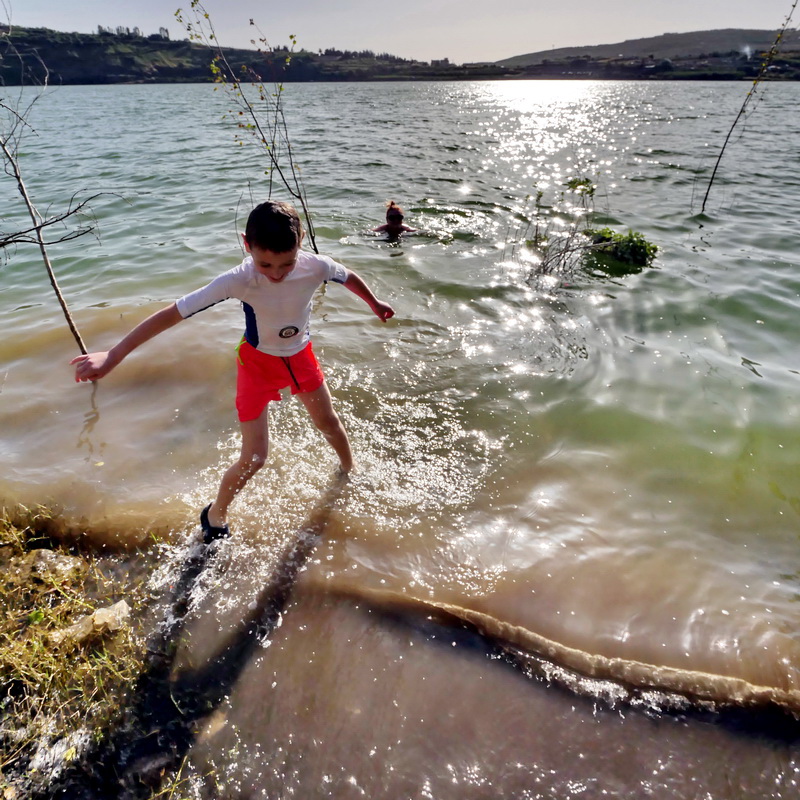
129 56
70 646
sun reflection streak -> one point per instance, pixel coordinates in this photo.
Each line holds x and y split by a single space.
531 96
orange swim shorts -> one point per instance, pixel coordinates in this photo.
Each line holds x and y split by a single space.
261 376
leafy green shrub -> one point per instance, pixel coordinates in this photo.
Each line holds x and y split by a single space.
618 253
581 186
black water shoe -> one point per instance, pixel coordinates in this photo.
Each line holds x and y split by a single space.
212 532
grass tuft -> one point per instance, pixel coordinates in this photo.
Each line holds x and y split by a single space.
54 698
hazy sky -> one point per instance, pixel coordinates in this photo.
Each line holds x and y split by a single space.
461 30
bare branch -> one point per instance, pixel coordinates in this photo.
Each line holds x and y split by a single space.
10 138
266 121
765 65
29 235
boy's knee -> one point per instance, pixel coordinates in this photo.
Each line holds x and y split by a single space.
253 462
258 460
329 424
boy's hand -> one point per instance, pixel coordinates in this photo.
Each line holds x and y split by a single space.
383 310
92 367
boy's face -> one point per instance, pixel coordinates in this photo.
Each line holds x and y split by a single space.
274 266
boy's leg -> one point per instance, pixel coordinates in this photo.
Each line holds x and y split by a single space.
255 444
320 407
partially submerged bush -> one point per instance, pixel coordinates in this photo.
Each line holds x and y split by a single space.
552 234
618 253
559 239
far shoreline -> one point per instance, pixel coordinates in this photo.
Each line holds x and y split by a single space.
41 55
443 79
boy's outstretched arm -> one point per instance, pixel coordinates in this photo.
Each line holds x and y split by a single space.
357 286
94 366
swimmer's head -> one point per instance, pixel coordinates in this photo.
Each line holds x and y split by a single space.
394 213
274 226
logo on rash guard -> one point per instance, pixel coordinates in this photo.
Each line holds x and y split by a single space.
288 332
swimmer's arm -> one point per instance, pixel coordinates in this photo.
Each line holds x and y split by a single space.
93 366
357 286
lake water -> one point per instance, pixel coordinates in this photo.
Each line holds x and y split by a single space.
607 467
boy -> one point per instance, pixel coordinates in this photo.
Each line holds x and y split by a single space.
275 284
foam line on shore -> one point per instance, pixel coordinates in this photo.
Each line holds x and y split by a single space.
698 687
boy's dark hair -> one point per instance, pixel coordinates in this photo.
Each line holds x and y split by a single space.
274 226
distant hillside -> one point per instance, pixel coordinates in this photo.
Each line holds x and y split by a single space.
122 56
113 57
667 46
100 58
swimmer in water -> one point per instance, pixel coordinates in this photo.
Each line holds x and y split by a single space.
394 221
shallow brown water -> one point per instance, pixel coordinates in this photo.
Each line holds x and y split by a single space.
349 699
